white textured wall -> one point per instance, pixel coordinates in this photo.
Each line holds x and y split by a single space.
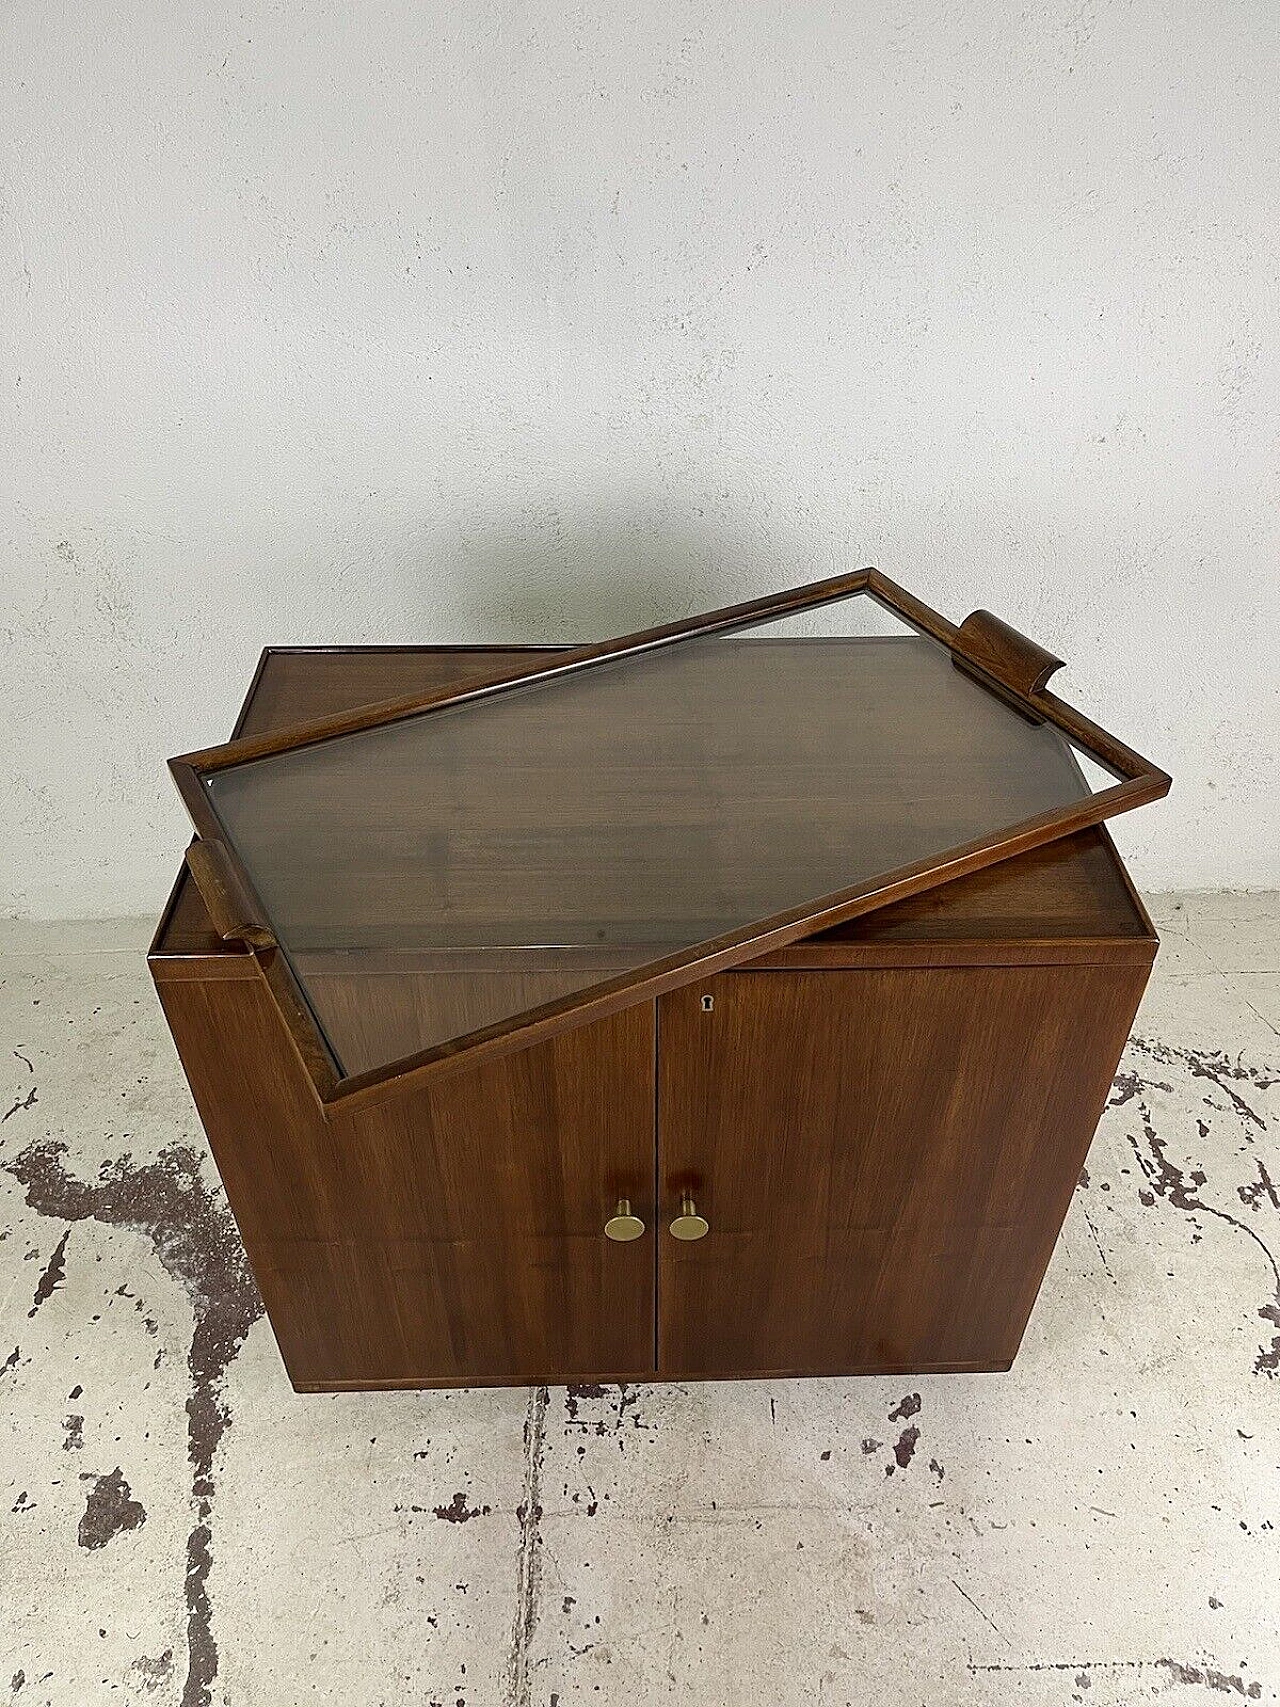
386 322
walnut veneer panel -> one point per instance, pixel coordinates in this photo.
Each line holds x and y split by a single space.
447 1236
885 1159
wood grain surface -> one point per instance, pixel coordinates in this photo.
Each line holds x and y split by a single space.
453 1235
883 1124
884 1157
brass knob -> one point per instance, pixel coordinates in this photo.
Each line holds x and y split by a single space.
688 1224
622 1226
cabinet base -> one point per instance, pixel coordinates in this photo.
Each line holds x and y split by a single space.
650 1378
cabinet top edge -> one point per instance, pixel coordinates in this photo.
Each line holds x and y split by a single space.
813 955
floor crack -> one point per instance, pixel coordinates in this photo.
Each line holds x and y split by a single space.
529 1562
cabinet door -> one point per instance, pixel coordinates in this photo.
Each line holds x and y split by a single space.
884 1159
451 1235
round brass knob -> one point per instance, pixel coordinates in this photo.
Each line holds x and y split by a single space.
688 1224
622 1226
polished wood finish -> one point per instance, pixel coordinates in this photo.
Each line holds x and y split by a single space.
885 1159
1002 659
546 668
643 810
1007 655
1066 894
985 650
633 815
295 685
453 1236
1073 889
391 1009
882 1124
298 684
233 912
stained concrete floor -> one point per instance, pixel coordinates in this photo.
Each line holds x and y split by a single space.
1101 1525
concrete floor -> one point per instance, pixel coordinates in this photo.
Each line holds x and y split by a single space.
1102 1525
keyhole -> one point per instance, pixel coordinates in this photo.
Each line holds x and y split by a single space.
708 1002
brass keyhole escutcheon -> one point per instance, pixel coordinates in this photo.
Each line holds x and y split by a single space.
622 1226
688 1224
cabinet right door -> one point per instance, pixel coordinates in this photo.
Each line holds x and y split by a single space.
884 1158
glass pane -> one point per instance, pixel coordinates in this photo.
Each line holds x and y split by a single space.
459 867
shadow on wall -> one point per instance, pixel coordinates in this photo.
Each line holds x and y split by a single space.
591 578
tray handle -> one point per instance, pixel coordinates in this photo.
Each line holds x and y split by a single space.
233 907
1005 654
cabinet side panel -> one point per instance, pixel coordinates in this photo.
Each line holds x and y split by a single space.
445 1236
278 1157
275 1152
885 1158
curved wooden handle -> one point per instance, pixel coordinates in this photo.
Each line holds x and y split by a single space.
233 907
1004 653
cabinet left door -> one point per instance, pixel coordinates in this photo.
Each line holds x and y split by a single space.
447 1236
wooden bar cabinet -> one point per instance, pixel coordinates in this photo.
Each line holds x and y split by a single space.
736 999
